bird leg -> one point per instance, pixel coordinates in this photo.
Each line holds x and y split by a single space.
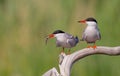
94 46
62 50
88 46
69 52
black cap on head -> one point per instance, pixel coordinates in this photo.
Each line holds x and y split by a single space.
91 19
58 31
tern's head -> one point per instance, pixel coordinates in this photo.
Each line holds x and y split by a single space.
89 21
55 33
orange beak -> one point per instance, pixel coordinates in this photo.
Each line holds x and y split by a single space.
49 36
82 21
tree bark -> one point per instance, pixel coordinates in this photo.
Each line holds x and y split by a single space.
66 61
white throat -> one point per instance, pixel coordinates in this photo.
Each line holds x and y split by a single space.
60 37
91 23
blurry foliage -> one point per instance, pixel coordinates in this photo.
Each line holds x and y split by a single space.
24 24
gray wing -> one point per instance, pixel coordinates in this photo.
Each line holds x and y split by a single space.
83 36
68 36
98 34
70 39
72 42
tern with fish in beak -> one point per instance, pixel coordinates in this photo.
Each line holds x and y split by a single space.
63 39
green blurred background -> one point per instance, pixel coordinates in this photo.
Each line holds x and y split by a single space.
24 24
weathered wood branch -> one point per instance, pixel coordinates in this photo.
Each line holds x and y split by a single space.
66 61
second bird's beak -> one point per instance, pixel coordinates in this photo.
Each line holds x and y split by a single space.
49 36
82 21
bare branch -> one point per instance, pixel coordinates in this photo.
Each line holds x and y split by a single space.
51 72
99 50
66 61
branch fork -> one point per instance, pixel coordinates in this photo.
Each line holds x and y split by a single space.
66 61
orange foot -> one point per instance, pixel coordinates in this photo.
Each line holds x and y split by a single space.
94 47
88 46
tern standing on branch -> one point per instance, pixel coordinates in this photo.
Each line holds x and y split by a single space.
91 33
63 39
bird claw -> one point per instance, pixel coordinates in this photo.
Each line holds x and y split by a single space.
88 46
94 47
